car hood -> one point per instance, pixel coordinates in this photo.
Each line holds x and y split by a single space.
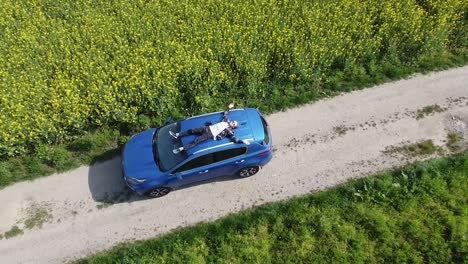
137 157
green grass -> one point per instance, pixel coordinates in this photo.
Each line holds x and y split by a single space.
93 147
422 148
453 141
417 214
428 110
425 147
103 205
14 231
36 216
340 130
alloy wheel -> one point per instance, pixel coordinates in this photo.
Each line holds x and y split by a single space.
247 172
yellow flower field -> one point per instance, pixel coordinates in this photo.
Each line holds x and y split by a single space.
66 67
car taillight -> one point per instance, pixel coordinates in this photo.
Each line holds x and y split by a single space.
266 151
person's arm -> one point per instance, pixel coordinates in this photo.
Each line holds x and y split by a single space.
231 135
225 118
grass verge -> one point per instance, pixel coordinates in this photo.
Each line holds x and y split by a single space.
99 145
415 214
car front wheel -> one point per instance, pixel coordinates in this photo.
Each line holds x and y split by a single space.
158 192
248 171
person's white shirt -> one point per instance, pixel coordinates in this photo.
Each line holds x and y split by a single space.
217 128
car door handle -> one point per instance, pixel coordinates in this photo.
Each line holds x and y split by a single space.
203 172
240 161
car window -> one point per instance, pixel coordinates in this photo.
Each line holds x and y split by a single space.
228 153
165 145
266 140
197 162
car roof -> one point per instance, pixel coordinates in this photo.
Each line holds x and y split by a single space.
250 128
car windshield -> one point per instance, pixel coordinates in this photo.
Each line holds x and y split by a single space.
165 144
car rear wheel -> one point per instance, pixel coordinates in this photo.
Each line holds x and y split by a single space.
158 192
248 171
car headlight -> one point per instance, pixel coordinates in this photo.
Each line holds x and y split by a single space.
135 180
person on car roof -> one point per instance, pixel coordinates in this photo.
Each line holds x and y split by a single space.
217 131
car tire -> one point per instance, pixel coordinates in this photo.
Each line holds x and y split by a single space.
248 171
158 192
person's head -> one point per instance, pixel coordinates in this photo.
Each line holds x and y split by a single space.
233 124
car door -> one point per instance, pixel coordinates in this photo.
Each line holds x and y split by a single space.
229 161
194 170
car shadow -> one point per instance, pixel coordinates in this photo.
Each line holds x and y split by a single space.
212 180
107 185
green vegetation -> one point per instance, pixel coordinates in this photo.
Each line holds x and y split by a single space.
73 72
47 159
453 141
103 205
340 130
36 216
425 147
14 231
422 148
417 214
427 110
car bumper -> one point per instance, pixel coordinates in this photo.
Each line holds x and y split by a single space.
266 158
138 188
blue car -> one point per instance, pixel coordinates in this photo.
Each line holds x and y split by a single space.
151 168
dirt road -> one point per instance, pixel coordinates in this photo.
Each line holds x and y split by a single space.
315 146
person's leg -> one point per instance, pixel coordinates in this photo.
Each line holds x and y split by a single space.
192 131
198 130
205 135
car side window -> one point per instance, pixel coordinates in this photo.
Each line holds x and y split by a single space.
228 153
196 162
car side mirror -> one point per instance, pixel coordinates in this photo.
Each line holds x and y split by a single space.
179 175
168 120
